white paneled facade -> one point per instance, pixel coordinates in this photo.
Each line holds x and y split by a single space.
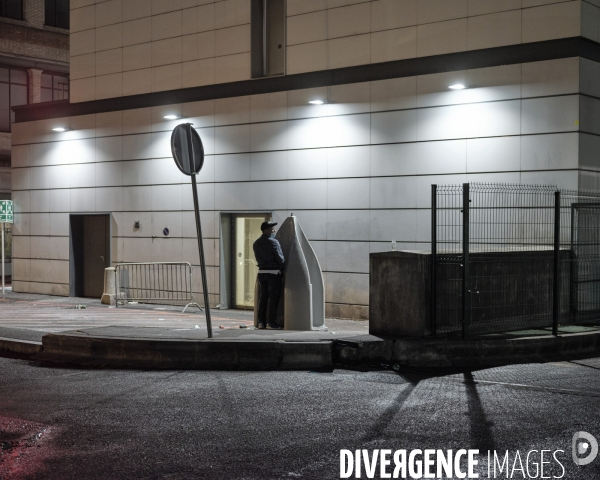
356 171
127 47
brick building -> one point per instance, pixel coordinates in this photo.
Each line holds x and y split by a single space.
341 111
34 64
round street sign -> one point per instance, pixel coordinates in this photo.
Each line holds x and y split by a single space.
187 149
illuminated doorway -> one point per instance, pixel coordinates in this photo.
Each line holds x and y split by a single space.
246 230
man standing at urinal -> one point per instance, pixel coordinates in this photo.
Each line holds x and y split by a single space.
270 269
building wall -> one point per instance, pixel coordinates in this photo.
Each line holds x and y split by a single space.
356 171
31 39
128 47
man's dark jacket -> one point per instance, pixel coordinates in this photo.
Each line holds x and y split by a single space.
268 253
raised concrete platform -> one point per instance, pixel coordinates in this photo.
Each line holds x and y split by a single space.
169 348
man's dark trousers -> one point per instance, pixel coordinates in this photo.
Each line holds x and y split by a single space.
270 291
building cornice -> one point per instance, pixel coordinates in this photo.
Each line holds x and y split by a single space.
491 57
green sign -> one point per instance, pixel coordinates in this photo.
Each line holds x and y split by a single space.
6 211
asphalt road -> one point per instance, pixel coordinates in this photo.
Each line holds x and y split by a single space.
61 423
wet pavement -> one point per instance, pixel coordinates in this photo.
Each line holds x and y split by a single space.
114 424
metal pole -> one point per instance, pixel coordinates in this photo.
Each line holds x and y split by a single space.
433 260
556 280
202 263
3 258
465 293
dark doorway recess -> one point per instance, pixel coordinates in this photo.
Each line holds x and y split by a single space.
90 254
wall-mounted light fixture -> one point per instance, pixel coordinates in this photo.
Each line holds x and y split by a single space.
171 117
457 86
317 102
60 129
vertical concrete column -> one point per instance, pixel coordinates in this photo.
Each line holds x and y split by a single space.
34 89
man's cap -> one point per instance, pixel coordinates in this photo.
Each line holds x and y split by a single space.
265 225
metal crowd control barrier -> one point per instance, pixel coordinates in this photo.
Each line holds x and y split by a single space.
167 283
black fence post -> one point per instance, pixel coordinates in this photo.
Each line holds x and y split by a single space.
556 280
433 260
466 304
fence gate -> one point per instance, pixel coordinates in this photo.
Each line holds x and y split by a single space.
585 262
165 283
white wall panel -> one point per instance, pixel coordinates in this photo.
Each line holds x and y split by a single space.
348 162
232 111
21 248
109 199
589 151
21 222
269 166
589 72
83 199
22 201
494 119
268 107
442 157
494 154
392 127
398 159
137 199
58 248
232 168
547 115
306 194
109 149
348 257
347 225
251 196
59 224
442 123
349 288
388 225
167 197
589 114
20 178
59 176
550 77
82 175
137 146
348 193
59 200
19 154
39 201
348 99
109 174
393 192
307 163
550 152
268 136
233 139
39 224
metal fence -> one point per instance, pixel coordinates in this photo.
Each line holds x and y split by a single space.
165 283
512 257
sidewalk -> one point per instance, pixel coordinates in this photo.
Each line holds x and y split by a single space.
84 332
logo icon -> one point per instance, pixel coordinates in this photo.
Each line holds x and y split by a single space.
584 444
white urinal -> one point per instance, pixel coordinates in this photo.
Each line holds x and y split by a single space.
302 304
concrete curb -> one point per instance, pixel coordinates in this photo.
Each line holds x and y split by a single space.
277 354
444 353
20 347
186 354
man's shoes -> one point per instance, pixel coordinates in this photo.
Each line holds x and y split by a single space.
274 327
261 326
